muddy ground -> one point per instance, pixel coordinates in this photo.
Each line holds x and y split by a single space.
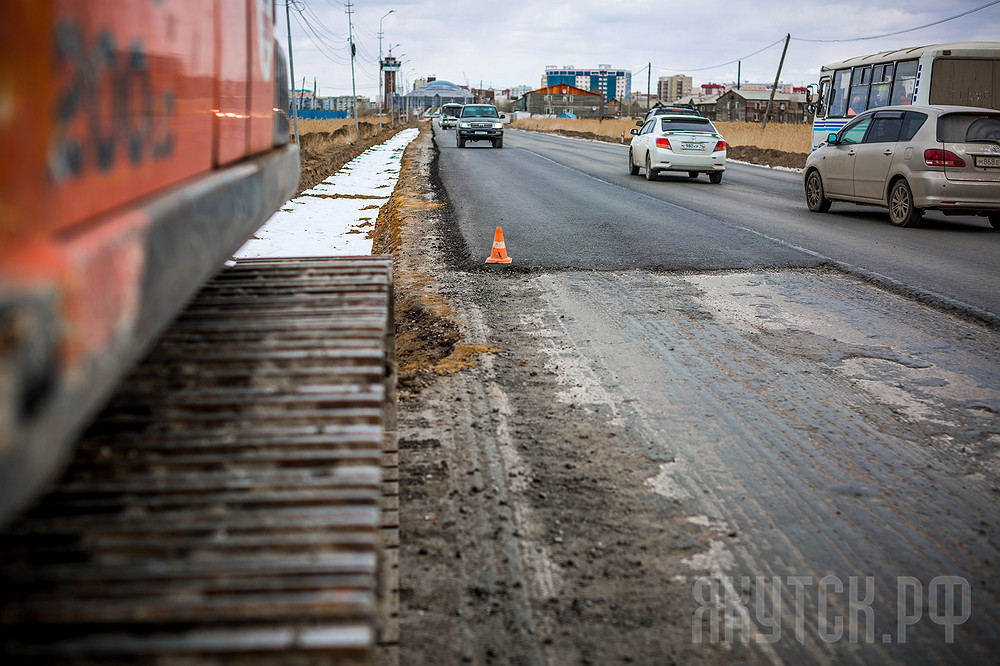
528 533
525 526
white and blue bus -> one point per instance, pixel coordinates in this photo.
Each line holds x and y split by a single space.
963 73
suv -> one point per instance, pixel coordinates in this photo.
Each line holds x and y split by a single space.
479 122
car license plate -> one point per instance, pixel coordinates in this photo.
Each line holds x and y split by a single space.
988 161
692 146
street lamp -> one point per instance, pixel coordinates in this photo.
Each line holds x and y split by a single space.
380 100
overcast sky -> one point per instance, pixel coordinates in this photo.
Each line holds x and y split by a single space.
505 43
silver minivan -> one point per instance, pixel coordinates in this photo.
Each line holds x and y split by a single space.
910 159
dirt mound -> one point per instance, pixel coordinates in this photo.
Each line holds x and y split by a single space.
767 156
587 135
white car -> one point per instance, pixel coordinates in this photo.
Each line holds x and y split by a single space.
677 142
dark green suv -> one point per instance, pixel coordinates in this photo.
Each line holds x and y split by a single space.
479 122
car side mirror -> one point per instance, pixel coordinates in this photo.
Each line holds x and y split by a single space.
831 139
503 115
633 131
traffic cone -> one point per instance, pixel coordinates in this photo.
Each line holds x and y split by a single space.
499 254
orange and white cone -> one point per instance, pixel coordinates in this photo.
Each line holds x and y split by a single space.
499 254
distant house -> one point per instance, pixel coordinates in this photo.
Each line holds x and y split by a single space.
705 104
750 105
561 98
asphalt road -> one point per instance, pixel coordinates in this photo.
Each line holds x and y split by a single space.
699 360
565 203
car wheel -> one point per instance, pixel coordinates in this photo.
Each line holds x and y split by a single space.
633 169
650 173
815 197
902 212
498 143
994 219
460 142
715 177
692 174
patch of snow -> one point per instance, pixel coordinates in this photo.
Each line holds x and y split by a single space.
334 218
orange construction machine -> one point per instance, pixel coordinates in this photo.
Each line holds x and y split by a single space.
143 141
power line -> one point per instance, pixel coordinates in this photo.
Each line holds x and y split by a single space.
330 34
801 39
702 69
327 51
901 32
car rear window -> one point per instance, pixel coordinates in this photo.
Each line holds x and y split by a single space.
686 125
968 128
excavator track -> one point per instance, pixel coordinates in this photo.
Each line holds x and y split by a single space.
236 502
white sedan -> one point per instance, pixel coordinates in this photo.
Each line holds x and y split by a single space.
677 142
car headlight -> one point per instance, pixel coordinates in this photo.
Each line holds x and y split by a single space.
497 125
465 124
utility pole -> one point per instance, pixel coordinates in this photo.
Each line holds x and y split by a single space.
649 76
291 66
770 100
354 91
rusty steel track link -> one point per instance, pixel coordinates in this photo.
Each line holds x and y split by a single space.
236 501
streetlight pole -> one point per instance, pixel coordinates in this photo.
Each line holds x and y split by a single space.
380 73
354 90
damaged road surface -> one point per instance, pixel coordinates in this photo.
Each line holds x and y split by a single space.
714 447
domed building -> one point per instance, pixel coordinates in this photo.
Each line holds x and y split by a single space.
436 92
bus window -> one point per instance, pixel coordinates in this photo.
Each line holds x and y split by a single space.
860 83
838 93
906 82
881 83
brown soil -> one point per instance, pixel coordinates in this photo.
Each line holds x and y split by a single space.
751 154
767 156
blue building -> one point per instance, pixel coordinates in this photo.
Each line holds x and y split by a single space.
612 83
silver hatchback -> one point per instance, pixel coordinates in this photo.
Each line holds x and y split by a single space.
910 159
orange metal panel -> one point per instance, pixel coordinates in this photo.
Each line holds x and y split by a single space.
262 81
25 60
232 88
120 95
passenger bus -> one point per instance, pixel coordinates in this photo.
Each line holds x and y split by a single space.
962 73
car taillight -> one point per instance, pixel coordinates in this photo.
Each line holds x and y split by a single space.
663 143
945 158
721 145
